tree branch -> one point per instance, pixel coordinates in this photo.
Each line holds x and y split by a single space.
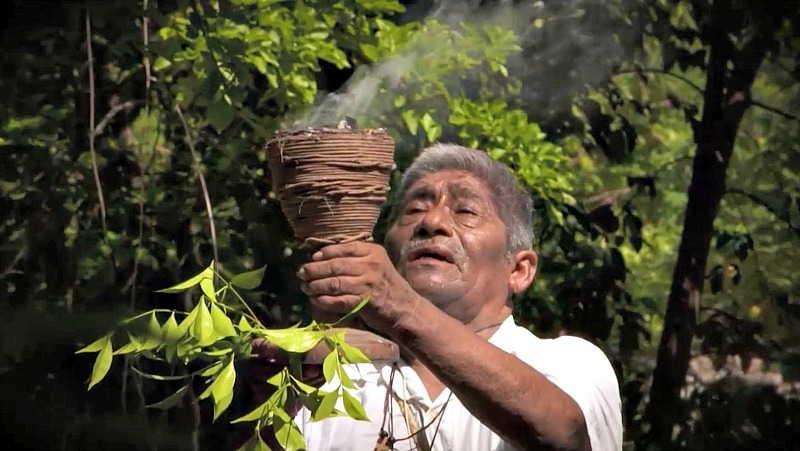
98 129
645 70
775 110
201 178
767 206
697 88
92 129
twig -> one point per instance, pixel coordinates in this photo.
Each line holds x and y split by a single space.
95 170
694 85
770 208
244 303
201 178
775 110
98 130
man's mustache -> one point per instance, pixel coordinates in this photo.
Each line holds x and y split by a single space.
455 248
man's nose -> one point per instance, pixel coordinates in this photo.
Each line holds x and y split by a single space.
435 222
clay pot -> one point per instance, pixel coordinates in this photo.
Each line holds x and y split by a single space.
331 182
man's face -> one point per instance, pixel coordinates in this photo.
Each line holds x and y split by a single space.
449 243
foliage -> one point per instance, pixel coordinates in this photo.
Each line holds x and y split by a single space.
211 337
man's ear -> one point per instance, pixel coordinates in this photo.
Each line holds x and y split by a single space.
523 272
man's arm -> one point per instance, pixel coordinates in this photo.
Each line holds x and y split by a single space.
520 404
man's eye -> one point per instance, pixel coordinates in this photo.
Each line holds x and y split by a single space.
414 210
466 211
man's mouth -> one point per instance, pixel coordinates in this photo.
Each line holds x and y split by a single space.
430 254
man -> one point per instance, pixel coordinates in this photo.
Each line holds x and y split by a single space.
457 249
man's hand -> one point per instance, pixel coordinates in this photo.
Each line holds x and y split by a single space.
342 275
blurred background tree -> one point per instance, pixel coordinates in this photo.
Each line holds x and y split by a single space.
659 140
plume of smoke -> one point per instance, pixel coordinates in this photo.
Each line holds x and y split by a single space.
573 46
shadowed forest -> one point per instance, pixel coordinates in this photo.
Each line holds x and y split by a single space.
660 140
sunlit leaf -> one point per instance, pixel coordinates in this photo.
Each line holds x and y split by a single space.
278 379
95 346
222 388
207 273
254 415
326 406
355 310
329 366
171 400
300 341
102 363
286 431
353 407
132 345
187 322
203 327
211 370
222 324
154 336
352 354
207 287
172 331
243 325
256 443
249 280
302 386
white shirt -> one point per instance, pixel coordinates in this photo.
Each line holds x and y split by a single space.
575 365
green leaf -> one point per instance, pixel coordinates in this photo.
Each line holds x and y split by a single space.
161 63
343 377
95 346
353 407
203 327
133 345
207 287
299 342
154 336
222 389
254 415
207 273
355 310
249 280
326 406
302 386
222 324
286 431
221 404
220 113
102 363
187 322
410 119
211 369
256 443
171 400
278 379
353 354
329 366
244 326
172 332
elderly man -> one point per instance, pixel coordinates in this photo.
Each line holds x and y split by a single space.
458 248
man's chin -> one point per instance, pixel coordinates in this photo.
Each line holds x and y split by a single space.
439 296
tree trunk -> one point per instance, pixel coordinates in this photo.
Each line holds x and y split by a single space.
726 98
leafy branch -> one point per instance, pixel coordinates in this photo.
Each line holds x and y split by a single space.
215 334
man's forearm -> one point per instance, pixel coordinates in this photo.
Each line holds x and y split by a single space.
520 404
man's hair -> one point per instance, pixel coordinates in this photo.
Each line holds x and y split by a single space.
513 204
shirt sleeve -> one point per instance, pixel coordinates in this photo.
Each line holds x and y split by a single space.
583 371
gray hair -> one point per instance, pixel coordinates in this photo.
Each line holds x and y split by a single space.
514 205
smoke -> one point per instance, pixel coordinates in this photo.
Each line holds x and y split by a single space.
566 45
